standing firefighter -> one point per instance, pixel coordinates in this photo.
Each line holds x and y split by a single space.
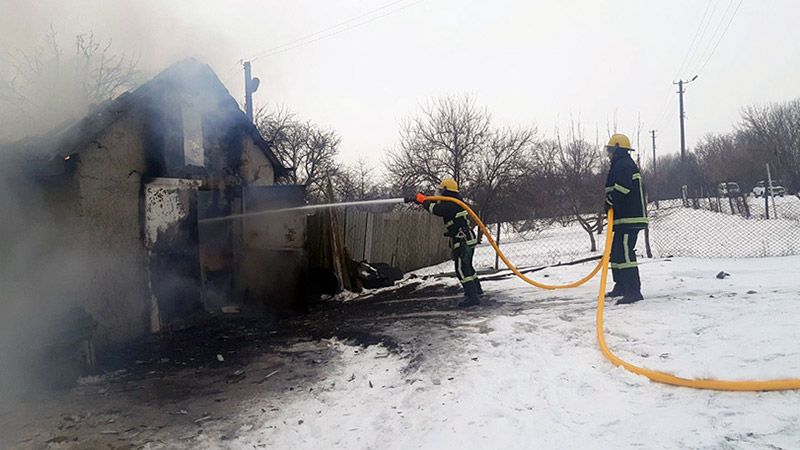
462 238
625 194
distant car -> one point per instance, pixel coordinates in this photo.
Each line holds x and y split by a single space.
777 188
728 189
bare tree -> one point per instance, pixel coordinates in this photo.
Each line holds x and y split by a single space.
444 139
356 182
765 134
50 85
775 130
304 146
720 158
274 125
576 164
498 170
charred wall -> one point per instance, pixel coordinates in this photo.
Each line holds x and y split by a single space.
255 168
109 178
271 248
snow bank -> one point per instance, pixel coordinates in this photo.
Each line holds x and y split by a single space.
697 232
527 373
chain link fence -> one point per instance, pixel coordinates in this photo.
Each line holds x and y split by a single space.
726 227
702 227
709 227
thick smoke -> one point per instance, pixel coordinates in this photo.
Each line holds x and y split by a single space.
42 274
46 84
45 78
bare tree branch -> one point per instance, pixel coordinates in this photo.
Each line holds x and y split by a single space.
50 86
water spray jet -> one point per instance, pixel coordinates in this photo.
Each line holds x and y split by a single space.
303 208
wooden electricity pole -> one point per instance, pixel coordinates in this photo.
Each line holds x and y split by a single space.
250 86
682 115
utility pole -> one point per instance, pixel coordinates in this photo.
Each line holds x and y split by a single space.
767 195
250 86
653 134
680 84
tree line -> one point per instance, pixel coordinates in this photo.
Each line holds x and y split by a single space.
765 134
506 173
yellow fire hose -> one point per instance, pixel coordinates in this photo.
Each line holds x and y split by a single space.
508 263
661 377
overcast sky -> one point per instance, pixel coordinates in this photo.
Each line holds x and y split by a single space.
529 62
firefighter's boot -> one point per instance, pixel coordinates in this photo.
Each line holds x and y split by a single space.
633 287
619 284
471 296
630 297
618 291
469 301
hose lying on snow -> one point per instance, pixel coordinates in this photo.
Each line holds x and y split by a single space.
654 375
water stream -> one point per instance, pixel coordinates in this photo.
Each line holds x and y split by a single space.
302 208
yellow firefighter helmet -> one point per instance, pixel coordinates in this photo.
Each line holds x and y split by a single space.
448 183
619 140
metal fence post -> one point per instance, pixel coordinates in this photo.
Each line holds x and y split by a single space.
496 255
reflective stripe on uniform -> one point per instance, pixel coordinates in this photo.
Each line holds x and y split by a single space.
447 225
625 248
621 188
609 189
468 279
631 220
462 214
641 195
470 243
459 271
625 265
637 176
430 207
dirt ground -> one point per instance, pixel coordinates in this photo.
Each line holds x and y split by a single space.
184 384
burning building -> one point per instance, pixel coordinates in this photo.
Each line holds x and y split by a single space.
127 187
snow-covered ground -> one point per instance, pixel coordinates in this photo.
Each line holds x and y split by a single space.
787 207
698 232
528 373
523 371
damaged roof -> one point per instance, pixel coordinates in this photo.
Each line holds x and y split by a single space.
70 137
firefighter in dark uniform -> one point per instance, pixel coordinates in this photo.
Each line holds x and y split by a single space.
462 238
625 194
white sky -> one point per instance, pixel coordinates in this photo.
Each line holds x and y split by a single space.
529 62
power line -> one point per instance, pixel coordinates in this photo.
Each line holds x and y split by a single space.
694 39
232 70
721 37
713 37
663 110
359 24
324 30
702 36
335 29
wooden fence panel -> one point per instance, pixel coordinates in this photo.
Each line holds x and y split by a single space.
409 240
355 233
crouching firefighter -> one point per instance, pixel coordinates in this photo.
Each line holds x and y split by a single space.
462 238
625 194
